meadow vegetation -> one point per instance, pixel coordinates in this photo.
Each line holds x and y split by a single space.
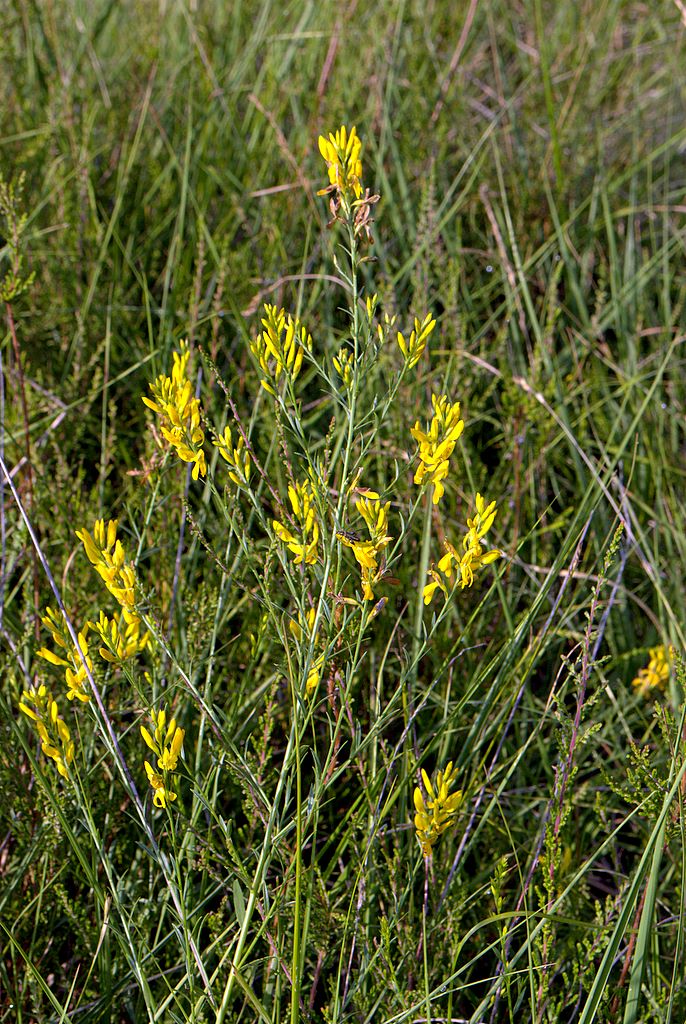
341 538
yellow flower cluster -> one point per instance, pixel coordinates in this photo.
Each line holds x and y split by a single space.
121 636
304 630
473 557
280 347
107 554
56 741
342 151
343 364
656 673
302 545
436 445
238 458
179 411
165 742
75 673
435 813
412 350
367 552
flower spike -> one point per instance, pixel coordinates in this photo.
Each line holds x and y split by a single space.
179 412
437 444
436 811
472 559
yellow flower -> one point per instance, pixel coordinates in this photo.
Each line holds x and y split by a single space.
280 347
473 558
104 540
343 364
238 458
436 445
76 674
342 151
179 411
165 742
107 554
413 349
56 741
435 813
656 673
303 544
121 636
161 794
441 574
367 551
304 630
75 671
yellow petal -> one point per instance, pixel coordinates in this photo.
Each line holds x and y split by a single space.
54 659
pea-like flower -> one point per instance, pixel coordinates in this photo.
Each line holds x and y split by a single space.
302 543
473 558
162 794
56 742
342 151
75 660
343 364
165 742
413 349
437 444
367 551
280 347
656 673
179 411
302 630
237 457
107 554
121 636
436 811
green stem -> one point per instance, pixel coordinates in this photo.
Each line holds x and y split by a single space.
265 856
350 433
295 962
353 392
417 640
98 845
427 994
182 912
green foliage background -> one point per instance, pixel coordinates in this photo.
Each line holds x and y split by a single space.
529 159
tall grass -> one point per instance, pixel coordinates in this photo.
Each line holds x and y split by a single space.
528 159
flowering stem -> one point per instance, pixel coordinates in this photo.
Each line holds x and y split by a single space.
350 432
356 342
